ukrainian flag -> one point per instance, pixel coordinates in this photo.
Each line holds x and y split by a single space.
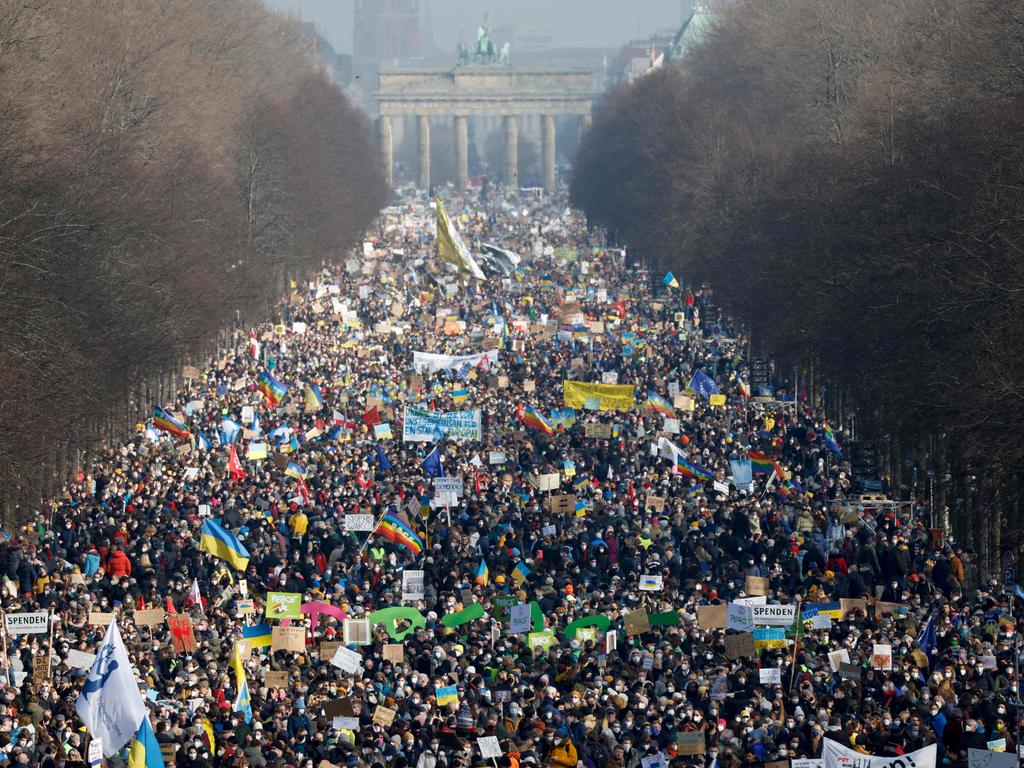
295 470
223 544
460 396
145 751
257 636
483 573
314 398
242 701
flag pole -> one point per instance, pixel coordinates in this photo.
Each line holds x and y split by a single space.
367 541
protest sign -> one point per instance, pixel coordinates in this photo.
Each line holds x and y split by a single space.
835 755
756 585
328 648
601 431
835 658
357 632
275 679
770 676
358 523
690 743
423 426
712 616
738 618
288 639
610 396
657 503
740 645
520 619
28 623
394 652
769 637
562 504
284 605
383 716
636 622
347 660
773 615
149 617
79 659
490 748
99 618
448 694
652 582
881 657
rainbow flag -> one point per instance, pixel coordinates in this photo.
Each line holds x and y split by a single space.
162 420
394 529
763 465
743 386
659 404
271 388
534 420
690 469
483 573
830 441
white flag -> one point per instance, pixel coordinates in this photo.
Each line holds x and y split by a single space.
110 704
835 755
669 450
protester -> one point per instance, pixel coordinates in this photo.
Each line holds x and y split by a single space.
636 533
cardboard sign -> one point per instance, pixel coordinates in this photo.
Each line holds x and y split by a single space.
690 743
357 632
549 482
850 604
41 671
562 504
328 648
169 752
636 622
756 585
394 652
836 658
712 616
275 679
100 619
339 708
182 635
288 639
245 607
657 503
383 716
740 645
149 617
600 431
80 659
683 403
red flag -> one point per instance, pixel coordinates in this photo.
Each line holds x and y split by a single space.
141 605
254 345
372 417
194 597
303 490
170 606
362 481
234 465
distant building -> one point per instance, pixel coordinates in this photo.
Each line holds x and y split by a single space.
640 57
384 32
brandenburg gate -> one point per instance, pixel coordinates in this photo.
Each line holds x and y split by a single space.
482 91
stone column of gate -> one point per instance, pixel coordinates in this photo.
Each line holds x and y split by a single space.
387 148
548 154
424 143
511 151
584 125
461 150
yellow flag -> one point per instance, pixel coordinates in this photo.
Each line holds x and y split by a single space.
450 247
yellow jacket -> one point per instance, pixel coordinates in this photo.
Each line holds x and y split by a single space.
564 755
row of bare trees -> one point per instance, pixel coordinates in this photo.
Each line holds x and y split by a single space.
166 166
849 176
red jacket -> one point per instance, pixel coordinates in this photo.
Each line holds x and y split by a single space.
118 564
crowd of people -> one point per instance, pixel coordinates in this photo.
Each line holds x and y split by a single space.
623 534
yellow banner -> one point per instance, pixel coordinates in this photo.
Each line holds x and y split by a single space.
613 397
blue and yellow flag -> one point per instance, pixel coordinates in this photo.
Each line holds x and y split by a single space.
223 544
145 751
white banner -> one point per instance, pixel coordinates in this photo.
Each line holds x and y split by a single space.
428 362
773 615
806 762
835 755
26 623
423 426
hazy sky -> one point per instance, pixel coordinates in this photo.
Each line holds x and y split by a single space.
587 23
